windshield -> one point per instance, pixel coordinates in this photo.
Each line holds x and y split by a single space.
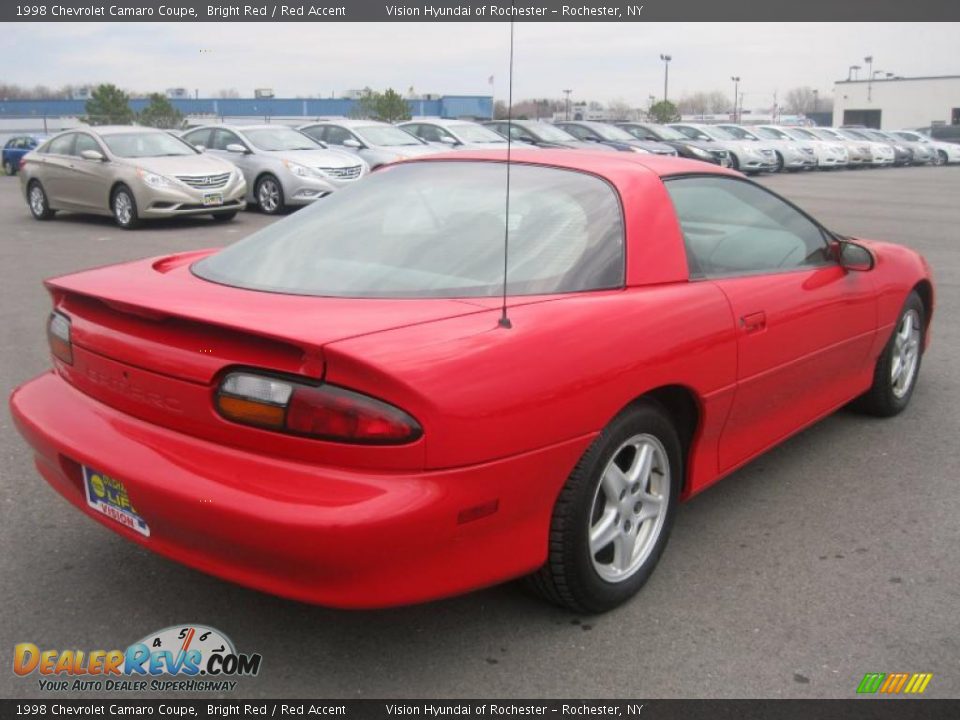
146 144
771 134
738 132
909 136
852 134
665 133
386 135
281 138
801 134
436 229
549 133
717 133
609 132
477 134
828 134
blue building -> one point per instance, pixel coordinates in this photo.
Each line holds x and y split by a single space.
446 106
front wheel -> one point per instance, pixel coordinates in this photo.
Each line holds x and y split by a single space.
781 165
125 208
269 195
895 375
613 516
940 158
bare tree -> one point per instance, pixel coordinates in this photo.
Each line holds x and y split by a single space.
799 100
619 109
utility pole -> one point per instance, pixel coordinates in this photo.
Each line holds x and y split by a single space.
736 86
566 105
869 61
666 73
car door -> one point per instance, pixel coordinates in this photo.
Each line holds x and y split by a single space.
87 182
805 325
248 163
54 169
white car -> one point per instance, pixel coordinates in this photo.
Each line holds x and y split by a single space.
747 156
946 153
378 143
828 155
283 167
455 134
790 154
883 154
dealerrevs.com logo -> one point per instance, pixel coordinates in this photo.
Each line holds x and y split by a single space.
178 658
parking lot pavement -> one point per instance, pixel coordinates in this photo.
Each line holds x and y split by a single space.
834 555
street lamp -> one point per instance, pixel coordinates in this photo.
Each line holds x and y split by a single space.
666 72
851 71
736 87
566 106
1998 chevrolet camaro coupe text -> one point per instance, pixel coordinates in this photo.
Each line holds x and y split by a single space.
330 409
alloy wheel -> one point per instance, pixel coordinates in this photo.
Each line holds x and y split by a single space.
268 195
629 508
906 353
123 208
38 201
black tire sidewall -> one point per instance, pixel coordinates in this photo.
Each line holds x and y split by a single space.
46 214
593 592
883 387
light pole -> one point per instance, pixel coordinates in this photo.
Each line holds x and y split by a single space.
736 88
816 100
851 71
666 73
566 105
869 61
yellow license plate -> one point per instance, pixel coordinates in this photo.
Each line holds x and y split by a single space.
109 497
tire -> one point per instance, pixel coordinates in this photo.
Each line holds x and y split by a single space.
124 207
224 217
38 203
781 165
269 195
898 367
9 168
940 159
734 162
597 578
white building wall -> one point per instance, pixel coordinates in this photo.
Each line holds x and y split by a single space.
903 103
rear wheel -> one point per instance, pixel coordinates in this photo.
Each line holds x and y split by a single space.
897 369
125 208
614 514
269 195
37 200
9 168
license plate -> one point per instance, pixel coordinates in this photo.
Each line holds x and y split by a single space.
212 199
109 497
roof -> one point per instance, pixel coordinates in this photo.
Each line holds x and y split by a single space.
605 164
116 129
350 122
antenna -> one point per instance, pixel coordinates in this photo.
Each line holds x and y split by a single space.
504 320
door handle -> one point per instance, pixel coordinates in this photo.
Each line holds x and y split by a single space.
754 322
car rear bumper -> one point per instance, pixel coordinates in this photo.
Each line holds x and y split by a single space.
324 535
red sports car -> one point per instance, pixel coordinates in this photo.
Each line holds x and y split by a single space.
332 409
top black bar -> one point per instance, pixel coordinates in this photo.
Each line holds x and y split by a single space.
474 11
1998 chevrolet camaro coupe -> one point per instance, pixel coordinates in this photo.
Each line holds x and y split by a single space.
332 411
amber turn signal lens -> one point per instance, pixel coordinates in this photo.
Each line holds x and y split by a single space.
251 412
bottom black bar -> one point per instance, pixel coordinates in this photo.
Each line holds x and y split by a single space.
853 709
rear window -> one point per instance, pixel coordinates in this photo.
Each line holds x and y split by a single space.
436 229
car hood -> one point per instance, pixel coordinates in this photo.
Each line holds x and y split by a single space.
181 165
317 158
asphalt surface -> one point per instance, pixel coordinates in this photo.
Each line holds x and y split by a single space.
834 555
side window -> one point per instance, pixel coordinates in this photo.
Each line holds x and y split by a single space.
85 142
733 227
336 135
578 131
198 137
430 133
518 133
62 145
317 132
222 138
414 129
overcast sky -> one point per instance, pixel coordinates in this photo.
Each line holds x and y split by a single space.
601 61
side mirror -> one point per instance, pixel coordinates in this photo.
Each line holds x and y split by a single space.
854 257
237 148
94 155
447 140
351 143
200 148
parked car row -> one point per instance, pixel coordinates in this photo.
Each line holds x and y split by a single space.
132 173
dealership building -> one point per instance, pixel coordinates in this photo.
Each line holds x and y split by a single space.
898 102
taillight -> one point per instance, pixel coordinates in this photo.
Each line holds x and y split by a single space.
58 335
326 412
